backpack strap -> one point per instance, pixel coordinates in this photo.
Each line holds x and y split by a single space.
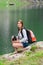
22 33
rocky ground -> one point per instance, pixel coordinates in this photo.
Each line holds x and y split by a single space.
13 56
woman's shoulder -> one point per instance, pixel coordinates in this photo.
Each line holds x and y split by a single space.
23 29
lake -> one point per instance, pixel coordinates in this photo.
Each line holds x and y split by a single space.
32 18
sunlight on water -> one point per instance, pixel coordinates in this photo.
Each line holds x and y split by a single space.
6 23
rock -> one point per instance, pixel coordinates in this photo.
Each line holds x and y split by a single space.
39 44
12 56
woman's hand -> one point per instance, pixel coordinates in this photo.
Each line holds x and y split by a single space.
17 41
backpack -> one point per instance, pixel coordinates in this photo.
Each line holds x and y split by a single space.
30 35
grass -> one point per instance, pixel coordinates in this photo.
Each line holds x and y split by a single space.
31 58
2 3
33 48
17 3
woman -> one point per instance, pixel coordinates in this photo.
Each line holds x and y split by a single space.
22 39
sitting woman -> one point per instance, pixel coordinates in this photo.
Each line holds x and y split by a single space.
21 41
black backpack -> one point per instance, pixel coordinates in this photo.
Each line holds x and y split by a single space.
30 35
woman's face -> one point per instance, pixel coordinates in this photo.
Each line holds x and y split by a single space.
19 25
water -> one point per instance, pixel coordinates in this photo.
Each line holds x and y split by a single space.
32 18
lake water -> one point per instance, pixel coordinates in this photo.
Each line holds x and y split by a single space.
32 18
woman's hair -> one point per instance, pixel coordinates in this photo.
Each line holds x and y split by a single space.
20 22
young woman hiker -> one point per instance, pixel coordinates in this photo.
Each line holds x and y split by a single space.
21 41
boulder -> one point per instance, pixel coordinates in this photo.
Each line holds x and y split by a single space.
39 44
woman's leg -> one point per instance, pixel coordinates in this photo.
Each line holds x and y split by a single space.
17 45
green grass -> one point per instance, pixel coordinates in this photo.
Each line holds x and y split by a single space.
2 3
33 48
31 58
17 3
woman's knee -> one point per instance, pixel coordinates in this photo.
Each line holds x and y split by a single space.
13 45
17 45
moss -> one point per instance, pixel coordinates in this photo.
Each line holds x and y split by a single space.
33 48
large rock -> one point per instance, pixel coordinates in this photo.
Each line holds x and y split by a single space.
39 44
12 56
